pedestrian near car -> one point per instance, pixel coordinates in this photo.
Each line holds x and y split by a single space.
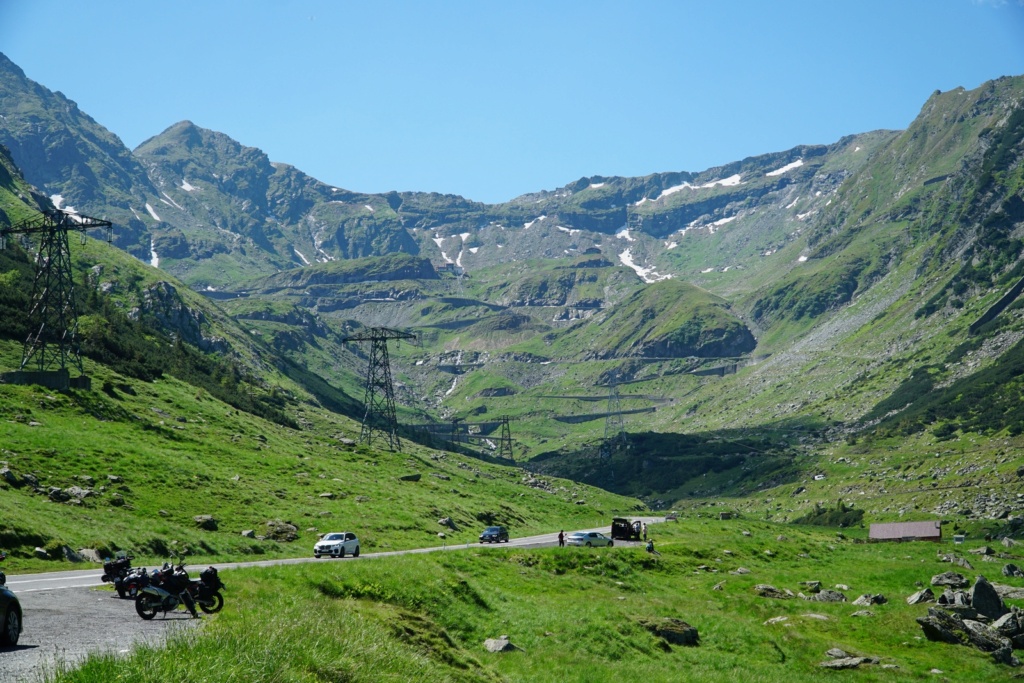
650 548
561 538
645 531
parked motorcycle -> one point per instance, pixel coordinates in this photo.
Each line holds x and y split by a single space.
131 583
164 592
115 571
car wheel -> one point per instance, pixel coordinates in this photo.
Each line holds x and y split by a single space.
341 553
355 553
610 544
212 604
316 556
588 544
11 628
146 606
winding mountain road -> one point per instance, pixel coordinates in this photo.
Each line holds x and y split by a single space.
67 617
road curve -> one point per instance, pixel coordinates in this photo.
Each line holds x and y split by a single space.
57 604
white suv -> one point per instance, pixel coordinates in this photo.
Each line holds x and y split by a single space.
337 544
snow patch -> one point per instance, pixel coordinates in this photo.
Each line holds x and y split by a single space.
188 187
856 149
596 185
452 388
473 250
802 259
154 260
792 203
670 190
731 181
642 201
57 200
368 208
135 213
301 256
707 270
152 212
527 226
788 167
802 216
571 231
464 236
648 275
671 245
172 201
624 235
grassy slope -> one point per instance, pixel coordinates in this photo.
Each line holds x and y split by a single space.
178 450
574 612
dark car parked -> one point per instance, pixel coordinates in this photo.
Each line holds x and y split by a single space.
10 610
494 534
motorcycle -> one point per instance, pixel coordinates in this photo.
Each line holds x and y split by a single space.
115 571
135 580
167 585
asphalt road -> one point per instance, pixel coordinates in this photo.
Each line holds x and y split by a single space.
67 616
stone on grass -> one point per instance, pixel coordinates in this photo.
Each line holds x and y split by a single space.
951 579
500 644
278 530
921 596
41 553
90 555
768 591
985 599
207 522
836 653
812 586
828 596
1012 570
942 627
410 477
863 613
249 533
983 550
868 599
776 620
844 663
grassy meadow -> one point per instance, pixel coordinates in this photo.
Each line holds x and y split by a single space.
575 613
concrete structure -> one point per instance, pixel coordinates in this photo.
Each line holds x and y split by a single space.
906 531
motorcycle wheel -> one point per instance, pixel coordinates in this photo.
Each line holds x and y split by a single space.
146 606
121 592
212 604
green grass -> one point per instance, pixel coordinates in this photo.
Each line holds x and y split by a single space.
575 613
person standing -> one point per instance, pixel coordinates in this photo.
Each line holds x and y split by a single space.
561 539
645 531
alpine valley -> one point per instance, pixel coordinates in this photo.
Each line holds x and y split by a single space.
829 327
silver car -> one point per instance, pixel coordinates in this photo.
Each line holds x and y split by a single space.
337 544
588 539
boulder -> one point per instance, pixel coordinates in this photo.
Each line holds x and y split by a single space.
116 499
1011 625
448 522
78 492
863 613
812 586
1008 542
70 555
207 522
836 653
951 579
278 530
921 596
828 596
500 644
942 627
327 495
89 555
249 533
983 550
114 479
986 600
10 477
956 598
672 631
57 494
768 591
410 477
845 663
868 599
1012 570
40 553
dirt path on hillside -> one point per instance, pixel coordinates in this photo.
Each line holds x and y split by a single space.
63 626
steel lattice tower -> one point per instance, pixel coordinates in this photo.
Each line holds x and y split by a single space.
505 445
53 319
380 420
614 426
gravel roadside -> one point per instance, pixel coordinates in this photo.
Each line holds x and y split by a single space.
64 626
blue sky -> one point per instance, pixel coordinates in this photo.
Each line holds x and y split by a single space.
491 100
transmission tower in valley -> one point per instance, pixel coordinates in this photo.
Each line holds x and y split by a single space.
505 443
614 426
380 421
51 345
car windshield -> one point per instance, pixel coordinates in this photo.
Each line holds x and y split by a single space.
334 537
492 530
578 535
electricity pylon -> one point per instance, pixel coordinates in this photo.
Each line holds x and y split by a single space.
380 420
53 319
